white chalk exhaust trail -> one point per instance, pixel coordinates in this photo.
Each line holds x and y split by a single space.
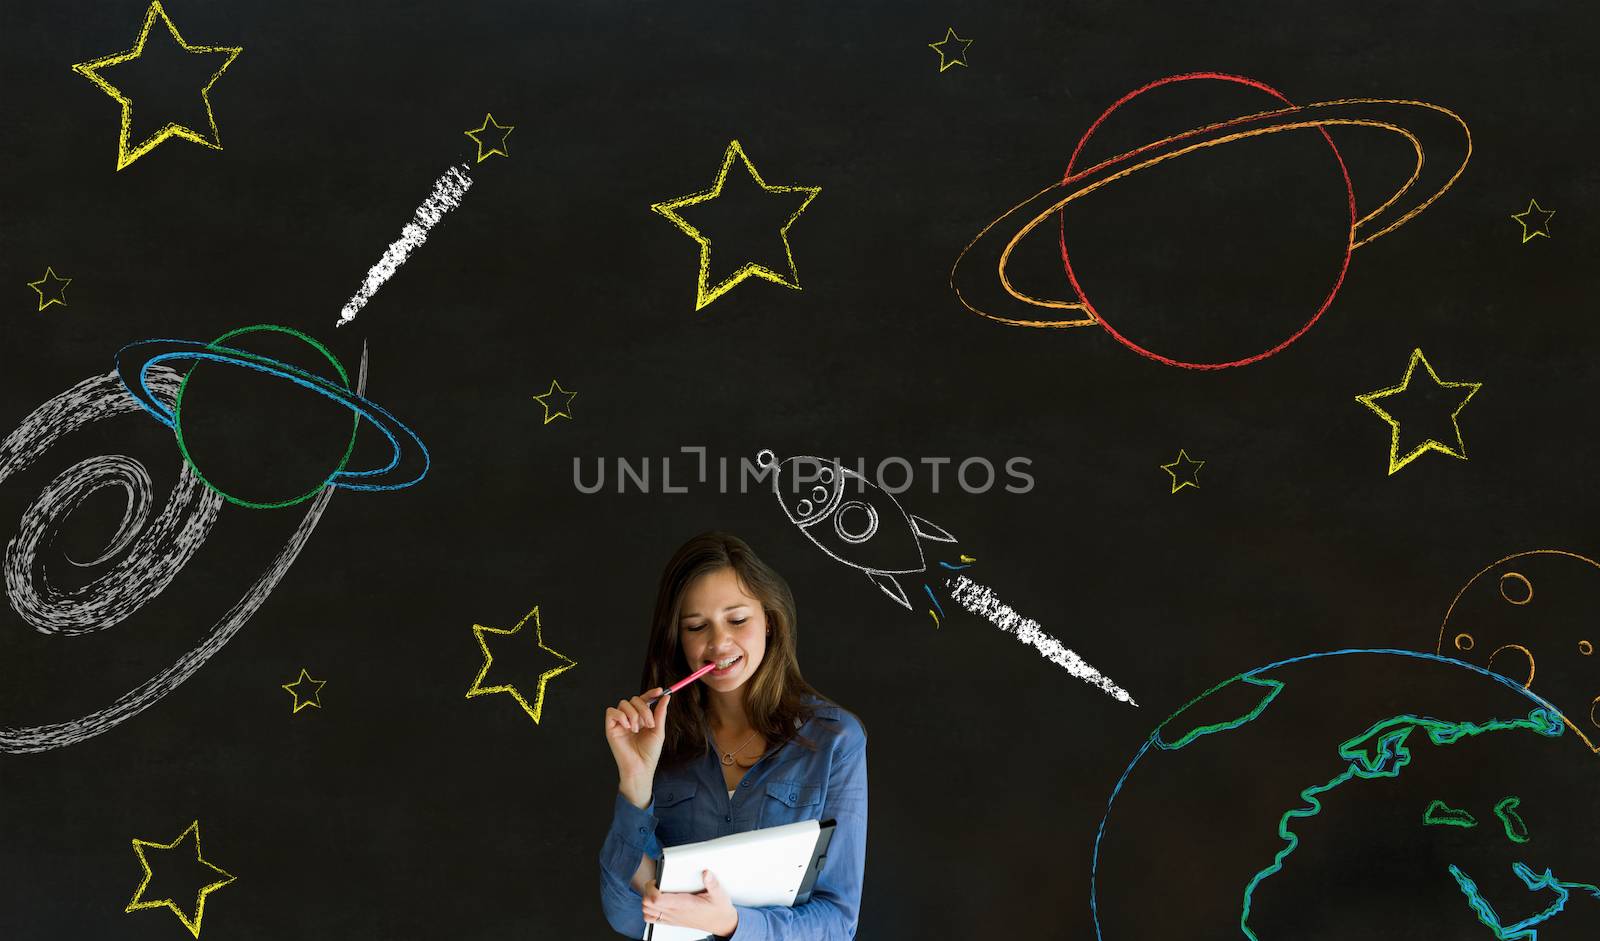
446 195
981 601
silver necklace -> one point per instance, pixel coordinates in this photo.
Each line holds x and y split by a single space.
727 756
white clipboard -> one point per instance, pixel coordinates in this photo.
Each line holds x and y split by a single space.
769 866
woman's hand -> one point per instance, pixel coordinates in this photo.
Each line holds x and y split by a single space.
709 910
635 734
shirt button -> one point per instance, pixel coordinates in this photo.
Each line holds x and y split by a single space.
744 783
730 818
791 795
641 829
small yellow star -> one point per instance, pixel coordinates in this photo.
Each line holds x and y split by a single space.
500 148
951 58
478 689
1541 227
200 898
57 293
1370 400
304 698
1185 471
91 69
704 294
563 410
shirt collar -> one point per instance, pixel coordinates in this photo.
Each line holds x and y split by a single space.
819 710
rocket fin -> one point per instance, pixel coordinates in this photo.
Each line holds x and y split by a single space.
890 587
927 530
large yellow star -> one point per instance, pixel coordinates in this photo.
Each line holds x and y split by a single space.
951 58
704 294
478 689
57 288
1539 227
90 70
500 148
306 691
200 898
1185 471
1370 400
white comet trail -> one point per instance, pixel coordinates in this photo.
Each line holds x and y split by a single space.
446 195
981 601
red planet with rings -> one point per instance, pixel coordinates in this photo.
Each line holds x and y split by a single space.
980 278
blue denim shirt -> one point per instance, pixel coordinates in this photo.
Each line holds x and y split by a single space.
690 803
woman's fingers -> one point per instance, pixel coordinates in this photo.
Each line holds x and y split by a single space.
656 904
635 714
669 907
617 719
660 716
643 706
632 712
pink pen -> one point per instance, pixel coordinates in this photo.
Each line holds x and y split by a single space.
682 683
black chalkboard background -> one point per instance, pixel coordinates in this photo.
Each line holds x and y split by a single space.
403 809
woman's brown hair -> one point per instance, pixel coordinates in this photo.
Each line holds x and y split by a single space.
778 693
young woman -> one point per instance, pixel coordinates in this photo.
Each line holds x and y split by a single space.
749 745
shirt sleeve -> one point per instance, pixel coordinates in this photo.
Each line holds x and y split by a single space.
632 834
835 904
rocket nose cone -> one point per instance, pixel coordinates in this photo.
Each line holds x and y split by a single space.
774 472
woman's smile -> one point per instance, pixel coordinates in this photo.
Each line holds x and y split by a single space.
726 664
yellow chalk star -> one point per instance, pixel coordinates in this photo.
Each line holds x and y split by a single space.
200 897
950 57
1185 471
704 294
127 154
1540 227
563 410
52 288
500 148
305 691
1370 400
478 689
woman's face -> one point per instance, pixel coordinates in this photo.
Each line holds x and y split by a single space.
720 623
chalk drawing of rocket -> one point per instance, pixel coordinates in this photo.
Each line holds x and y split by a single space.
865 528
